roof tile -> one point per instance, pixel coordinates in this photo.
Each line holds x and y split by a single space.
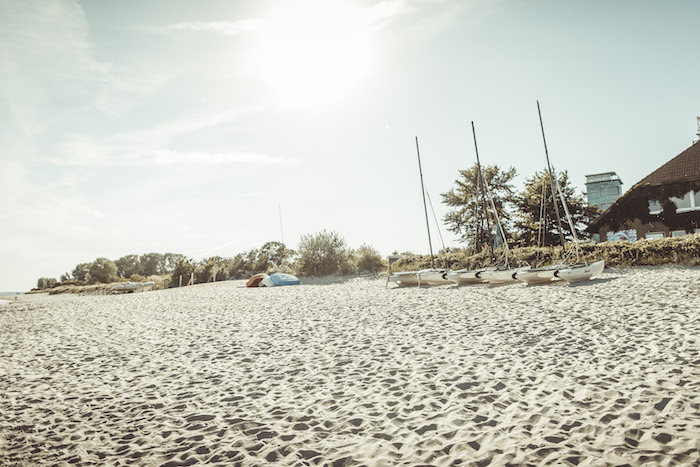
684 167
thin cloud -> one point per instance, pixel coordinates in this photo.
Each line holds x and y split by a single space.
169 130
42 40
83 152
216 158
48 56
153 146
229 28
75 206
380 13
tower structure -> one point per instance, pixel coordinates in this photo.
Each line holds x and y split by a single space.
603 189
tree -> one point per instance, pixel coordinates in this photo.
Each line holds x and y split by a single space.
183 269
322 254
240 267
128 265
103 270
81 271
215 266
467 218
272 254
171 260
45 283
529 202
152 264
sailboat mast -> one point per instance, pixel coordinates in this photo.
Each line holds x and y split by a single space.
569 219
425 207
551 180
279 208
481 186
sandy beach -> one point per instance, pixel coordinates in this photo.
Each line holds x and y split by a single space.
352 373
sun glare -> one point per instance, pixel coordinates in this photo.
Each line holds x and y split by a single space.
313 54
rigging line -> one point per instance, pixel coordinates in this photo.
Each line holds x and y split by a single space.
437 225
476 228
571 223
482 181
551 180
540 230
498 224
555 182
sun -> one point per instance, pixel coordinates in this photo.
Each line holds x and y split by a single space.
313 53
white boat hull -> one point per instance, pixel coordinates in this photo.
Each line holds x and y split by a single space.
581 272
466 277
419 278
131 287
434 277
503 276
538 275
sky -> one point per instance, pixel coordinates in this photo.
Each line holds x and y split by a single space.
210 128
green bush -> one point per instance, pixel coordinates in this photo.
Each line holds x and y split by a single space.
322 254
271 257
212 269
183 270
367 259
678 250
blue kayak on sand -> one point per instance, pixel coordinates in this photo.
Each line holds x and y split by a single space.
273 280
280 278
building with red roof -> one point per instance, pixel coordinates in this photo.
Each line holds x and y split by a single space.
665 203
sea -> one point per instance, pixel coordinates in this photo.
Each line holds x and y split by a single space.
7 297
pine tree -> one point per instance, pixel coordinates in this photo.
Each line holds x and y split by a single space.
529 203
468 219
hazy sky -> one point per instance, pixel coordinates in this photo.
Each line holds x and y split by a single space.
138 126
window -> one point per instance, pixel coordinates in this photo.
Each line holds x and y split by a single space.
654 235
689 202
683 203
609 190
654 207
678 233
597 178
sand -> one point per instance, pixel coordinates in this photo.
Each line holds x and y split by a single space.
352 373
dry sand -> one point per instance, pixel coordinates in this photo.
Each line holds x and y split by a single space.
352 373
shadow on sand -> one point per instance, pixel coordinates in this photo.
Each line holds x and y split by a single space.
598 280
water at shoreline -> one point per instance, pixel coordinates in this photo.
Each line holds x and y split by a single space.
8 297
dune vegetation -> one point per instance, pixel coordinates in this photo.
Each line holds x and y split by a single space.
678 250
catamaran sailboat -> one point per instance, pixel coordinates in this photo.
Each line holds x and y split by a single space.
571 272
430 276
501 272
